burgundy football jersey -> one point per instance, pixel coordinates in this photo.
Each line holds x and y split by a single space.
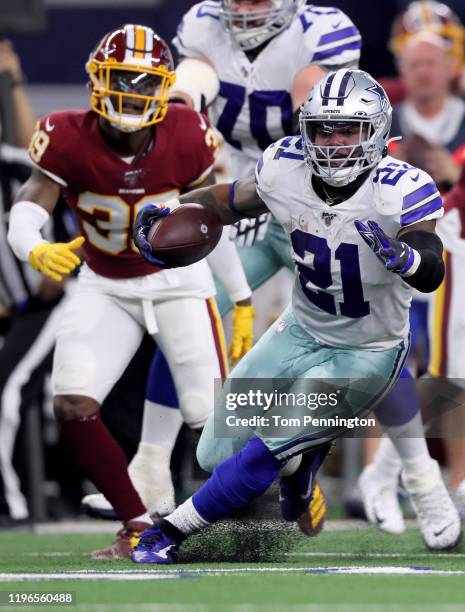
105 192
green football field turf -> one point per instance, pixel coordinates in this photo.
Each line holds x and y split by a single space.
342 570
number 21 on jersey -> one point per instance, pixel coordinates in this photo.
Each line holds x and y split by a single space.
319 275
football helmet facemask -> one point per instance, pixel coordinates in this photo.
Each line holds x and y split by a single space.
251 28
353 103
131 72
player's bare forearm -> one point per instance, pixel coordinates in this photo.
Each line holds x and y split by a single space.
39 189
207 182
230 203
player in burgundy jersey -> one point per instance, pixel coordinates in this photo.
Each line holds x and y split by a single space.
130 149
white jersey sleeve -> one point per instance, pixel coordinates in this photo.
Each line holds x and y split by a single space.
406 193
329 39
197 29
268 177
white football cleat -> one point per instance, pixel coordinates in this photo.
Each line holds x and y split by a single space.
380 501
437 516
150 474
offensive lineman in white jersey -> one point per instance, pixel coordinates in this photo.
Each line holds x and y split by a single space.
252 62
261 58
362 231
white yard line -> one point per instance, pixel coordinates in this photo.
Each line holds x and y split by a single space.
220 607
152 574
353 555
266 608
87 575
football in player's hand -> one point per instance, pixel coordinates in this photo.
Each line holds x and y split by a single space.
185 236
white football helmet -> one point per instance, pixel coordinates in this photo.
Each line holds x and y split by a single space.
341 98
252 28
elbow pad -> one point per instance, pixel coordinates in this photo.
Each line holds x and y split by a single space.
199 80
430 272
26 221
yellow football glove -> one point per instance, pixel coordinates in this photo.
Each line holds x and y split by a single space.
56 258
242 334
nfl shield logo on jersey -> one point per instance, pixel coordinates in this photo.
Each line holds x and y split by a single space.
328 218
132 177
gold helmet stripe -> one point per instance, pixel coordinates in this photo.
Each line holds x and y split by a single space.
140 40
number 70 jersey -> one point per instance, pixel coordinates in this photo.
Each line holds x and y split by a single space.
343 295
254 107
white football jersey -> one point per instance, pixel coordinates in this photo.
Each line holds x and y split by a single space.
343 295
254 107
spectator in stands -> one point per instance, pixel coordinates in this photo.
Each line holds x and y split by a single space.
435 18
431 120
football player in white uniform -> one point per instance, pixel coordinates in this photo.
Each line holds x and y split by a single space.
362 231
255 62
252 63
279 49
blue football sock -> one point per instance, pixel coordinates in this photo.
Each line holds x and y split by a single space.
401 404
160 384
236 481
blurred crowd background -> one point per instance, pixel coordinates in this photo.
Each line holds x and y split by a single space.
43 49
